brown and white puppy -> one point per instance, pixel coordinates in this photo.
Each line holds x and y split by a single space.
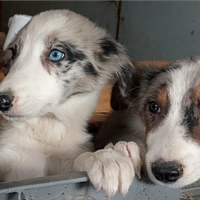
55 69
163 118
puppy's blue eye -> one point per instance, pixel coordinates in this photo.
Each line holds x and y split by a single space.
56 55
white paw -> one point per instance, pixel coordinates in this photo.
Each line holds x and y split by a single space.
108 169
130 149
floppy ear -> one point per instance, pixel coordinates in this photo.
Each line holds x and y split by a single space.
125 79
125 89
112 57
141 79
117 101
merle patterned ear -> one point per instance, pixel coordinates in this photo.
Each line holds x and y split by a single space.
127 89
131 86
125 80
122 89
115 54
118 102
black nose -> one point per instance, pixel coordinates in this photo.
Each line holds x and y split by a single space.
167 172
5 102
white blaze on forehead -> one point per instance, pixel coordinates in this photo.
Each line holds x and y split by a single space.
181 81
171 129
167 140
31 52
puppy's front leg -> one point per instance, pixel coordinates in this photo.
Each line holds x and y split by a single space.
130 149
108 169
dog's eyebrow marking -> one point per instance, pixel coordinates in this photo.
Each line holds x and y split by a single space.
163 96
197 93
73 54
108 46
90 69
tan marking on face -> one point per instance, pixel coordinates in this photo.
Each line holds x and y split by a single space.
152 120
163 96
148 132
197 93
195 133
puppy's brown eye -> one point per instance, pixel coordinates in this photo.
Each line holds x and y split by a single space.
154 107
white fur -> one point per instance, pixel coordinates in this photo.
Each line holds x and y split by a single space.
115 171
130 149
45 130
168 140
